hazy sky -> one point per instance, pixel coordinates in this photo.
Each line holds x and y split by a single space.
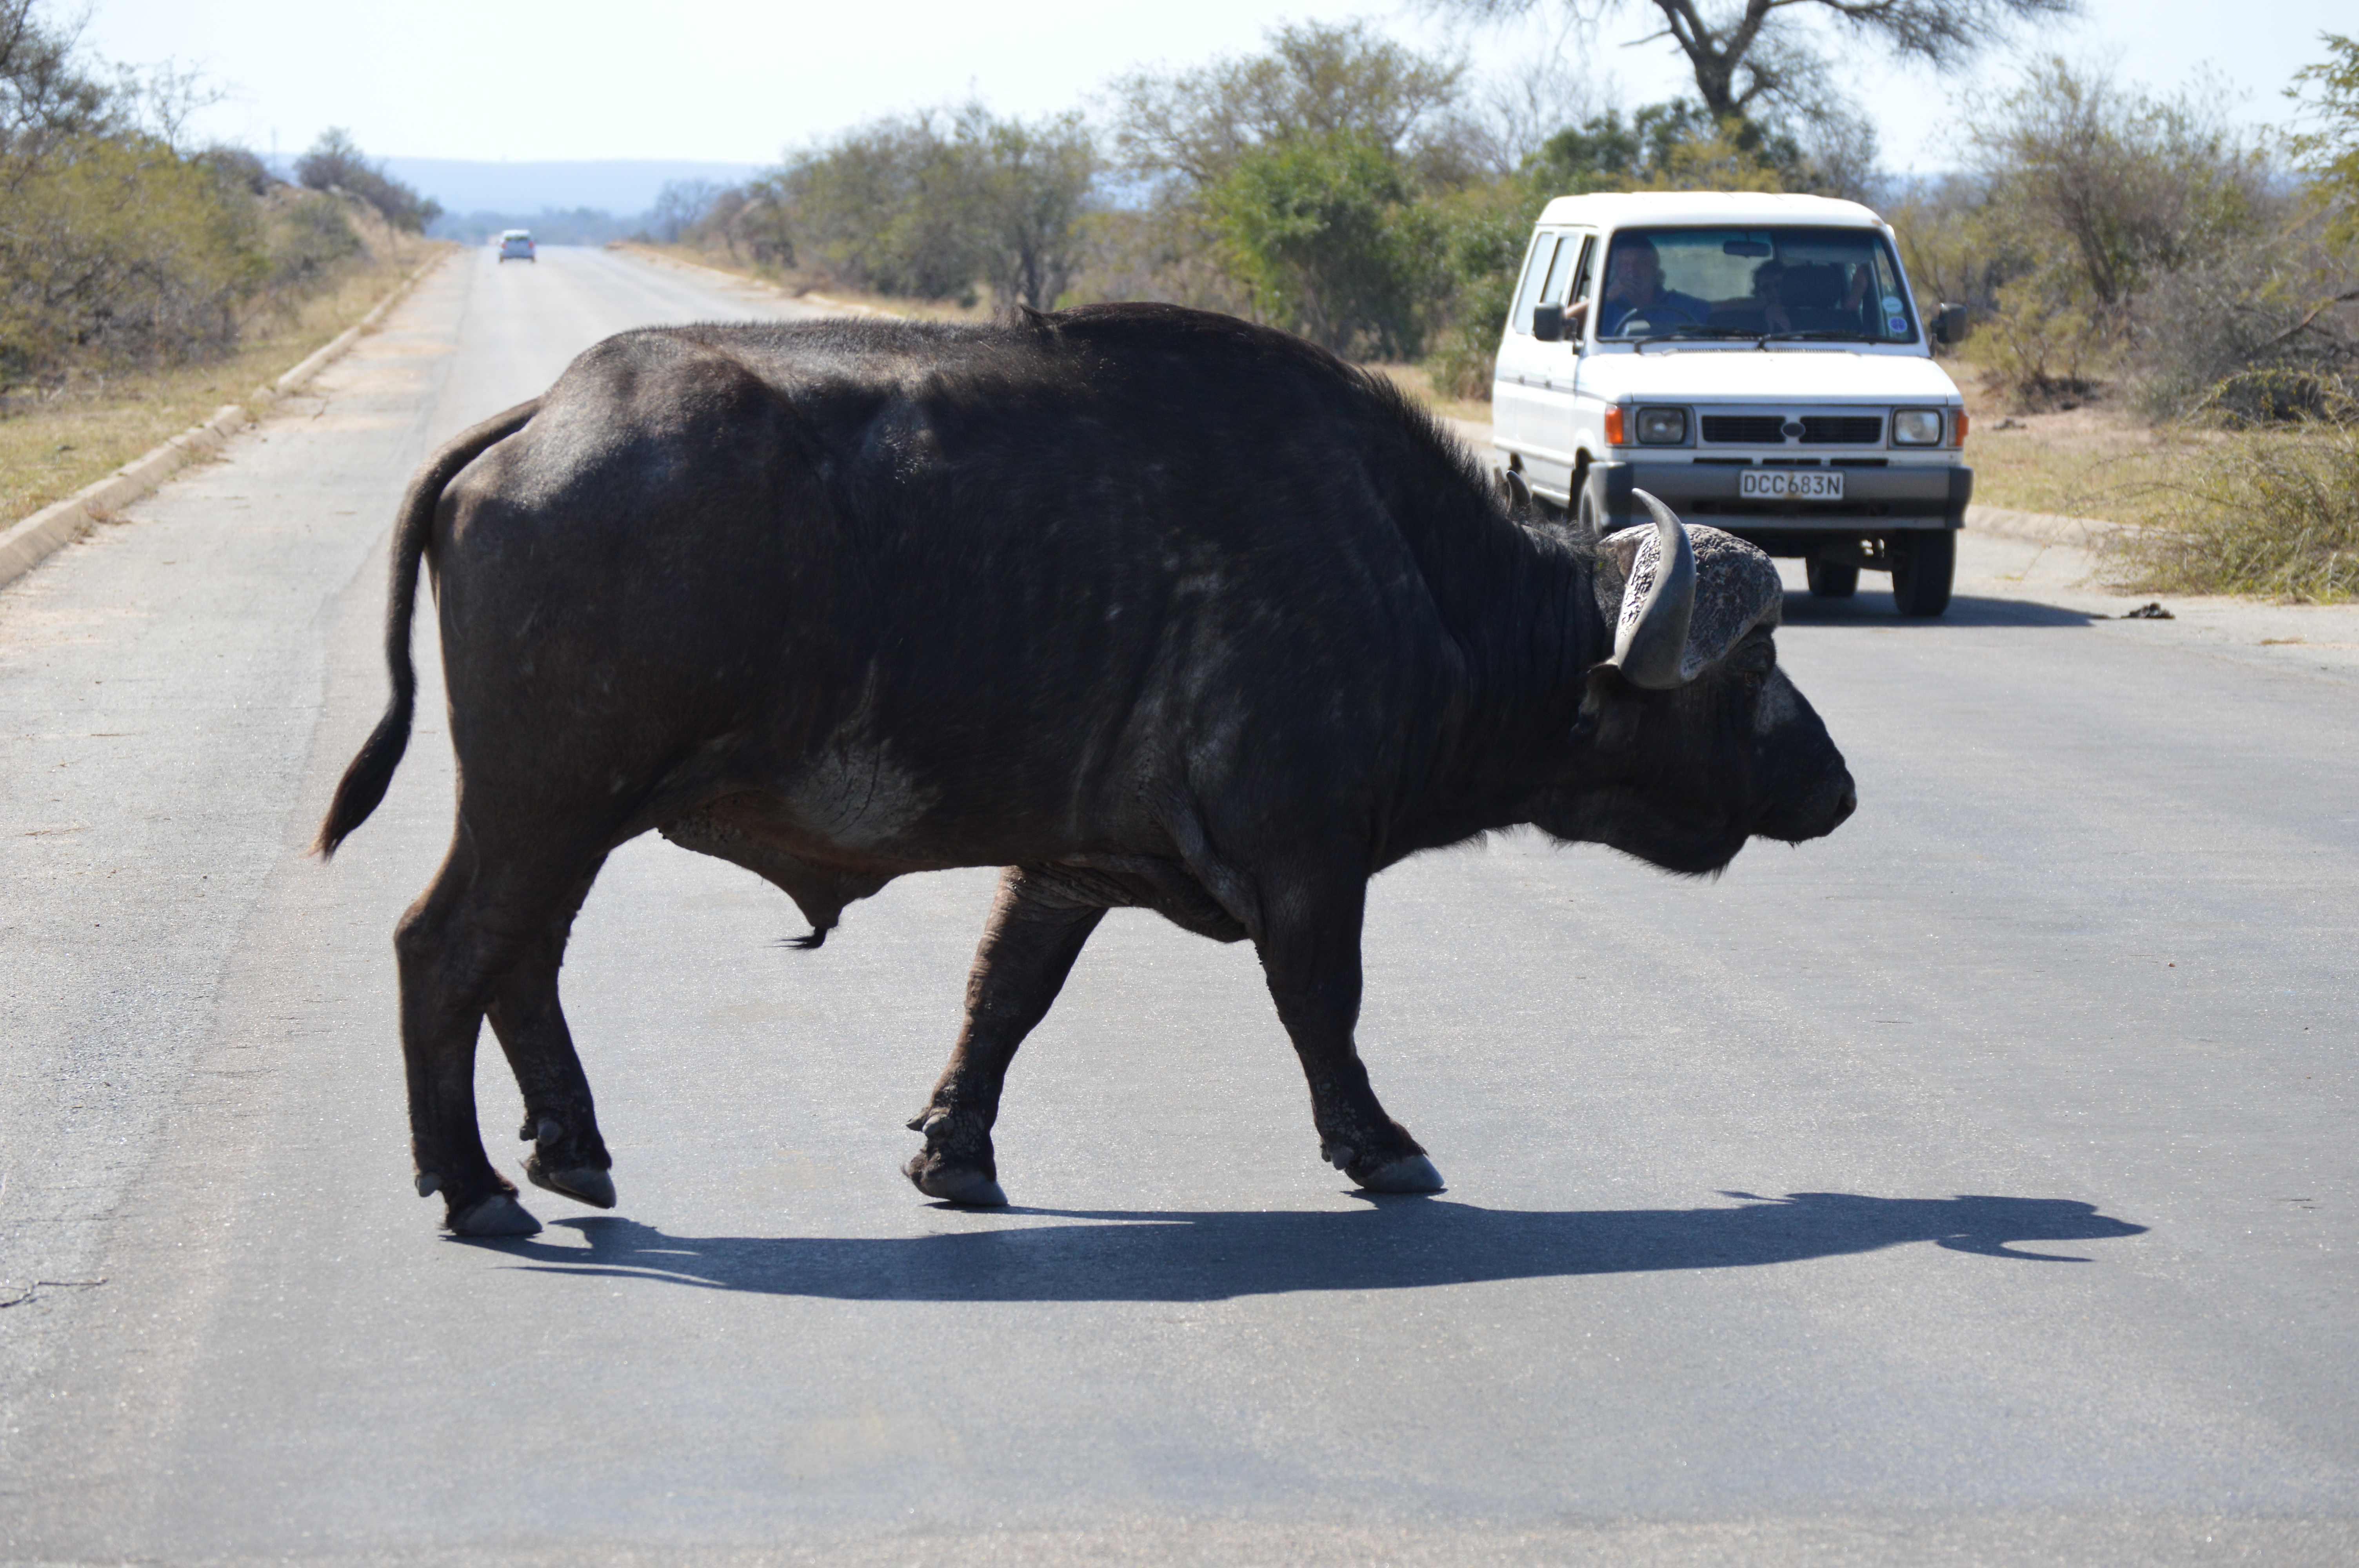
737 81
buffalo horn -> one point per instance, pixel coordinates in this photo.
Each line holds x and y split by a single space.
1658 602
1519 495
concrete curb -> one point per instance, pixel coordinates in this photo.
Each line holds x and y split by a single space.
28 542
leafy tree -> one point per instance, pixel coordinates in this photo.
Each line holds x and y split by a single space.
1316 80
122 252
1481 232
883 207
335 163
1673 145
2329 152
933 203
1033 186
1321 229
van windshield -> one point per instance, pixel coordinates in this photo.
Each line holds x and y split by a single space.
1751 283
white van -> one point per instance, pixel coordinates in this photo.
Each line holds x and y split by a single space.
1757 361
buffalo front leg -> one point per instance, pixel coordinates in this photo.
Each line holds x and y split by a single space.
1037 929
561 1120
1309 947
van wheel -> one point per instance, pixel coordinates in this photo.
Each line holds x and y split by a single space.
1832 579
1924 564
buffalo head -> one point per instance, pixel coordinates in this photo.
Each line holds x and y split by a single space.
1691 740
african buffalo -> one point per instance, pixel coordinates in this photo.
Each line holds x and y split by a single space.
1151 607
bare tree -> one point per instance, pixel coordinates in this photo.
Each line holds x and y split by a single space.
1750 57
680 206
1508 119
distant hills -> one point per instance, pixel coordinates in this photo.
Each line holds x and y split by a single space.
623 187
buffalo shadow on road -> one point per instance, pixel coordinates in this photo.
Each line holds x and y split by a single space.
1393 1243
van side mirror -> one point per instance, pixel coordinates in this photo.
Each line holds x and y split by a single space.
1547 323
1950 324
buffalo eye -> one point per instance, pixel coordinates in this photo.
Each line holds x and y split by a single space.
1753 663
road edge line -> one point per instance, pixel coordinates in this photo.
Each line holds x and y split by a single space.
30 541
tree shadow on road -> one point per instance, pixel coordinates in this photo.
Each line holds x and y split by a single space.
1393 1243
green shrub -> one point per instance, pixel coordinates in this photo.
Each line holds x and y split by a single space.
309 239
118 250
1484 231
1322 229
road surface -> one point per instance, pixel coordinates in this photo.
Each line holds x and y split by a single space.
1972 1187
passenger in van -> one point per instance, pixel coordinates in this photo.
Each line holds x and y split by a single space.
1634 287
1824 295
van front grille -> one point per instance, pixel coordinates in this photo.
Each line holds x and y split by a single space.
1817 430
1841 429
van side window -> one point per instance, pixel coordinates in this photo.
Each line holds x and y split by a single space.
1527 293
1560 270
1582 275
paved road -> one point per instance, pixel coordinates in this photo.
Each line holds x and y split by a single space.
1975 1186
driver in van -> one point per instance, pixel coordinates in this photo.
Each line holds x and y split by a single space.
1768 293
1634 286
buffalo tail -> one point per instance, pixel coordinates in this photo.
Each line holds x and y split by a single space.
364 780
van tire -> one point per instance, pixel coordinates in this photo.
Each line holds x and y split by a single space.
1832 579
1923 564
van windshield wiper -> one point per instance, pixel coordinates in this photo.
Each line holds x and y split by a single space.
1683 329
1688 329
1822 334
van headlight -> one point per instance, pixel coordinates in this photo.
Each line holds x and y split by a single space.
1662 427
1917 426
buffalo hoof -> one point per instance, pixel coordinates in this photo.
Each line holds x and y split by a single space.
962 1185
1410 1173
498 1215
583 1184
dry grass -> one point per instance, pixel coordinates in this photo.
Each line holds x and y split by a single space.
52 444
2079 463
2273 513
1418 382
798 284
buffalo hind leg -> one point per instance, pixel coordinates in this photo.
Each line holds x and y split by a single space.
561 1120
1037 929
1309 947
483 913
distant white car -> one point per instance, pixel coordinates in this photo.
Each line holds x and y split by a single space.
515 244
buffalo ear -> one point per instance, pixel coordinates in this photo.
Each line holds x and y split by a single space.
1610 709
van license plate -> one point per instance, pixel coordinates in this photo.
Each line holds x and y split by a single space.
1791 484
